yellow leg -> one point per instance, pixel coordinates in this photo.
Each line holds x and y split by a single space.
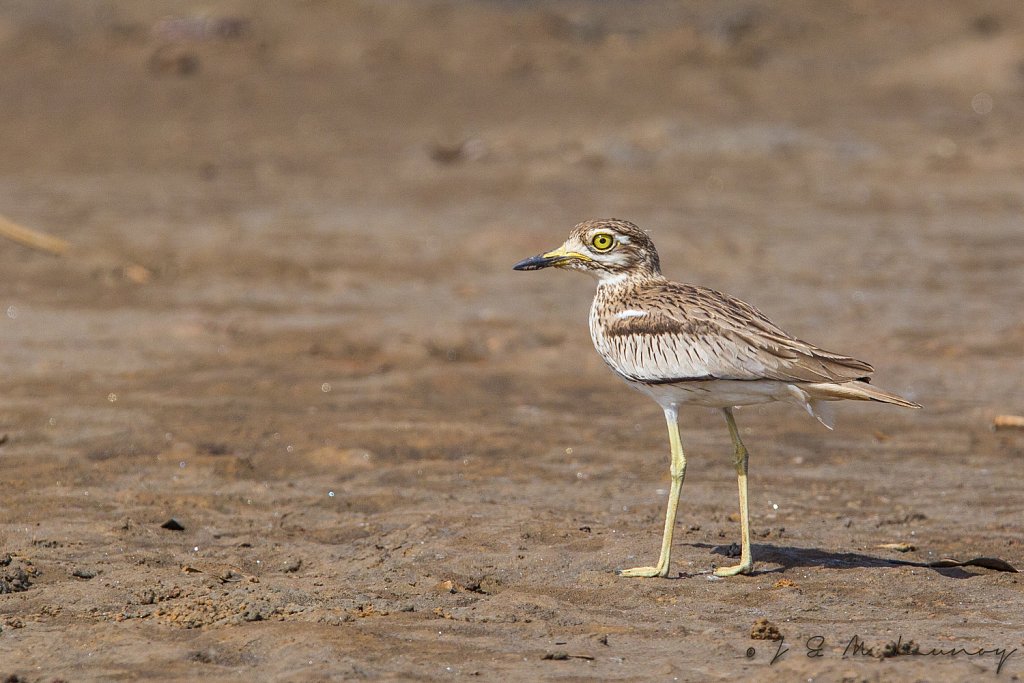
740 458
678 471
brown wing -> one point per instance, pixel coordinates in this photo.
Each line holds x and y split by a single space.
703 334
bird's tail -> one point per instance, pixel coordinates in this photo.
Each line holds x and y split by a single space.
856 391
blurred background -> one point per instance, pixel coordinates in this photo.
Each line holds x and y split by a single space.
288 292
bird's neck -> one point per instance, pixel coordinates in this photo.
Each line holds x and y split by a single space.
627 279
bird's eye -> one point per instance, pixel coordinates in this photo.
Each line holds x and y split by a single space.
602 241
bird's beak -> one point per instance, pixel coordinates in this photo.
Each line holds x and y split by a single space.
552 258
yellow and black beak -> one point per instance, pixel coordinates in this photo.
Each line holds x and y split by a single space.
552 258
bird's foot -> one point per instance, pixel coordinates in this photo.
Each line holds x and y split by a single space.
644 572
742 568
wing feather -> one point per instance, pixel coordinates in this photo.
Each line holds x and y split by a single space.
699 333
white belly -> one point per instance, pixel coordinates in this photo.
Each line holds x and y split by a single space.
729 393
717 393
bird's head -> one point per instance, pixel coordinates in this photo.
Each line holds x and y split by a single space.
610 249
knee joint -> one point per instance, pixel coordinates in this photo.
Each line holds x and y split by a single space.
740 457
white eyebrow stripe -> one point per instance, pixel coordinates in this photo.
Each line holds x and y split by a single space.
630 313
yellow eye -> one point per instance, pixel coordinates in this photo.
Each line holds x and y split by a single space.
602 241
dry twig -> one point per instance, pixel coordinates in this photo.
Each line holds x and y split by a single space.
33 238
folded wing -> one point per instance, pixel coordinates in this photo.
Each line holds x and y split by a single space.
688 333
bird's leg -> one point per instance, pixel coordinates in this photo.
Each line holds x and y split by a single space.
740 458
678 471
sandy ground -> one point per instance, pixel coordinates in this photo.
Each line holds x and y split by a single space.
289 323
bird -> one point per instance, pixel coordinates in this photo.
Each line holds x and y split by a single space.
683 344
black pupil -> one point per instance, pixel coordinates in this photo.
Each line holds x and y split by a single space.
602 241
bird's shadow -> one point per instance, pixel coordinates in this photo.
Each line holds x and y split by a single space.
790 556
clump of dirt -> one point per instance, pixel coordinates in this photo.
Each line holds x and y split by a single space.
16 574
764 630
